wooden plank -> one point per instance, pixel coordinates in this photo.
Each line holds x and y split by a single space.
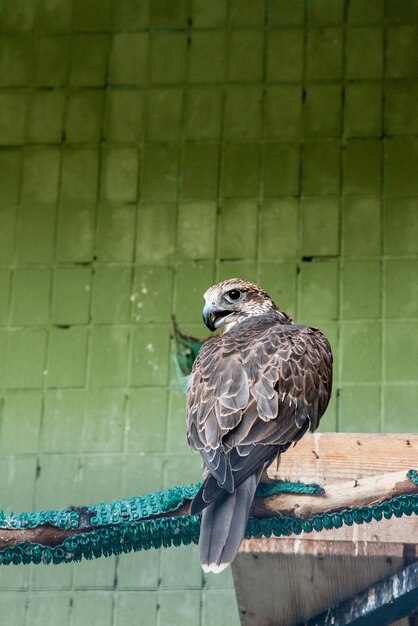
329 457
283 581
381 604
288 589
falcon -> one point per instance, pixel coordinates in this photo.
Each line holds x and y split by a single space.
254 389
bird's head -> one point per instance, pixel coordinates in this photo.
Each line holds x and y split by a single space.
233 301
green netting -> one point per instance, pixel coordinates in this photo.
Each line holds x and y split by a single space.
122 526
187 348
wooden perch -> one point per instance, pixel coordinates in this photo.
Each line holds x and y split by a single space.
342 495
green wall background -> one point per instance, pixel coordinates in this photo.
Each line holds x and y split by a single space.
149 149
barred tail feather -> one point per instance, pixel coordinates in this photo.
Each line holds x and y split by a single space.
223 524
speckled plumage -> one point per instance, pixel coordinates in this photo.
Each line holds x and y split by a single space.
254 390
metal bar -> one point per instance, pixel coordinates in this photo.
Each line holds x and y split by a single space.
381 604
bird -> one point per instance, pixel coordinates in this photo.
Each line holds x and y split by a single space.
254 389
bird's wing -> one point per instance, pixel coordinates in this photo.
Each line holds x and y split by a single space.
253 392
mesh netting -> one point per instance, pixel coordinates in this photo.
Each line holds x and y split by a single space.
122 525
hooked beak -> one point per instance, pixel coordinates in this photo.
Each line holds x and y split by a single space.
213 317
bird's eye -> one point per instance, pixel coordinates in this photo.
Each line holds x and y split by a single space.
234 294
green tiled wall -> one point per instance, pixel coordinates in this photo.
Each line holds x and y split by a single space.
147 149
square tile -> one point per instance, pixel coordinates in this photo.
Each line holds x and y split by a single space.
401 348
168 13
165 108
71 296
400 401
156 236
14 60
209 16
278 229
20 424
115 233
196 231
401 288
160 173
128 59
200 171
150 354
167 58
45 117
104 422
7 234
243 112
360 120
52 60
62 425
119 175
111 295
285 54
283 114
323 110
89 60
360 409
364 50
41 168
284 14
361 13
401 226
401 116
402 51
79 174
318 291
240 173
361 225
124 116
322 12
361 346
363 166
245 55
361 289
235 241
30 301
203 113
67 354
324 54
320 226
35 233
108 357
401 165
25 359
75 231
208 57
281 169
84 116
13 111
146 420
152 294
247 13
322 169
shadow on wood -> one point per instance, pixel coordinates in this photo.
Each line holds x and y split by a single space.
287 581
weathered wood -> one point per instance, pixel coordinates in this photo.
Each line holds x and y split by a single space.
287 589
285 581
381 604
342 495
330 457
338 496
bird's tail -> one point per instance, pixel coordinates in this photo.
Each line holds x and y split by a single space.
223 524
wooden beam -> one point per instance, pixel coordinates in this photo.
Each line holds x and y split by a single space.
332 457
381 604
